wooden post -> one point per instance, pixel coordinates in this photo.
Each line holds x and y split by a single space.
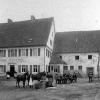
98 67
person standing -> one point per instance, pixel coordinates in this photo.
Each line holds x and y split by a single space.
90 75
30 81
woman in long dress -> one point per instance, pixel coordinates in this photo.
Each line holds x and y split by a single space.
30 81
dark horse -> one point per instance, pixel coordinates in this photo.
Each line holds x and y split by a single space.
37 76
41 76
22 78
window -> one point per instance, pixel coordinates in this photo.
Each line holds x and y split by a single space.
35 52
89 56
71 67
2 68
76 57
36 68
57 69
23 52
24 68
79 67
65 67
2 53
12 53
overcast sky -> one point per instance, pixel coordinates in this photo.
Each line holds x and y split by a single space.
69 15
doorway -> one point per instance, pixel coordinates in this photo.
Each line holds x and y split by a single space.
12 70
90 69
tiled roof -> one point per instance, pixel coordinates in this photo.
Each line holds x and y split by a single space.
78 41
56 60
25 33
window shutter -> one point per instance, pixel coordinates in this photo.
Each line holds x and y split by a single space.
38 51
38 68
19 68
30 52
4 68
30 68
26 68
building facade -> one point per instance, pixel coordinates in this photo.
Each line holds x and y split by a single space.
26 45
80 50
33 46
82 62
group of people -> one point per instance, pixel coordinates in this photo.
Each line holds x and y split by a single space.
66 78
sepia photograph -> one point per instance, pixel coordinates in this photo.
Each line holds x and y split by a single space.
49 49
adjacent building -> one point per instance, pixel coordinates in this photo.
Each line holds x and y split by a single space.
80 50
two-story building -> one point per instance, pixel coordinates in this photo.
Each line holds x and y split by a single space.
80 50
26 45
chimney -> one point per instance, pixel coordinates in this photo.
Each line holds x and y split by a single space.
10 21
32 17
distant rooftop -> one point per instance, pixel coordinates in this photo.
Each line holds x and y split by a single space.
77 41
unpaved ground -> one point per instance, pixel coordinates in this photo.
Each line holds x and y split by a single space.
77 91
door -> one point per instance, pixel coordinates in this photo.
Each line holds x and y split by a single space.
90 69
12 70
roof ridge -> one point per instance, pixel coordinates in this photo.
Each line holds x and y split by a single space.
39 19
77 31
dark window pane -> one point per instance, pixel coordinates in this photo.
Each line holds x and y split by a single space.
65 67
89 56
77 57
71 67
79 67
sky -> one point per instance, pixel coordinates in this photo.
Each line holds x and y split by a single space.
69 15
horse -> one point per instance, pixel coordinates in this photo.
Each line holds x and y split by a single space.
42 76
22 78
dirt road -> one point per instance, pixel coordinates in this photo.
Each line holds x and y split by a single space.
77 91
